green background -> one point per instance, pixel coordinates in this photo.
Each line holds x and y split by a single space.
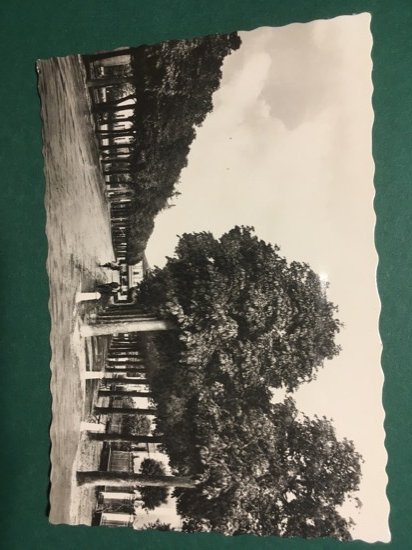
31 30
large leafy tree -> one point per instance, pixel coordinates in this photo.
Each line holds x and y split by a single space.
277 474
243 310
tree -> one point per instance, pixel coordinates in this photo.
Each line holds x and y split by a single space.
153 496
243 310
287 476
136 424
158 526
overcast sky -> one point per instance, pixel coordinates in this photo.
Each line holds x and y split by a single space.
287 149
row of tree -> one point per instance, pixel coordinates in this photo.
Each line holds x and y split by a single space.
169 89
174 85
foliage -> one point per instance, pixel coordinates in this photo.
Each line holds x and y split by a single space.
153 496
135 424
278 473
174 83
247 321
158 526
169 89
117 93
247 318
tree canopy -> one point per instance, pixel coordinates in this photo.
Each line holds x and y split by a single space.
153 496
174 83
273 474
135 424
248 322
244 312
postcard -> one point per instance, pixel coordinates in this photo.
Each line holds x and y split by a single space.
215 345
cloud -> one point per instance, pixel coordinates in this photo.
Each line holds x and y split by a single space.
305 69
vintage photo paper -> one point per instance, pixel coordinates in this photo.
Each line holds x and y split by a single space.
215 346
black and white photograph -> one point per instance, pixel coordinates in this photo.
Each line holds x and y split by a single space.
215 347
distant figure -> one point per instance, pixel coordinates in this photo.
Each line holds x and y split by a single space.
111 265
107 288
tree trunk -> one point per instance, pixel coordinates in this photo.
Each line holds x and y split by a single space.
115 172
116 101
115 146
122 327
125 119
121 188
119 351
119 212
115 132
122 179
92 427
116 348
120 159
124 438
123 410
121 197
120 495
110 379
126 311
126 479
118 156
125 370
110 376
128 369
109 108
121 318
106 55
123 393
124 355
109 81
87 296
116 344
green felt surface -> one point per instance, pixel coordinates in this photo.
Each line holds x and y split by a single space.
31 30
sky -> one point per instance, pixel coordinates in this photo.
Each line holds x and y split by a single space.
288 150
